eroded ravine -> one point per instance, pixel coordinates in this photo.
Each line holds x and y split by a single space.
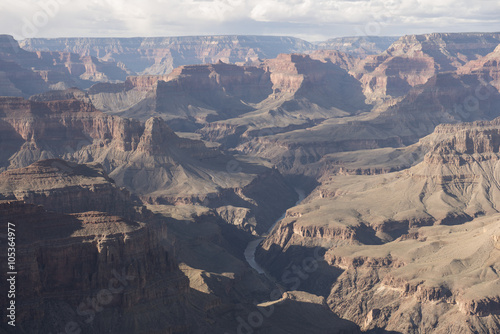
252 245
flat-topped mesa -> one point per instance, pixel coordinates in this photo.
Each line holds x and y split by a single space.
290 63
226 78
58 95
17 107
290 71
190 94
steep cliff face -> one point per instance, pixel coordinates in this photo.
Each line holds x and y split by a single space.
63 94
92 271
450 50
60 127
160 55
394 75
140 82
248 83
80 267
314 81
415 250
454 183
305 92
72 188
444 98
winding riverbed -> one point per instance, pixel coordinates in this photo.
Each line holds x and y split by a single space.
252 245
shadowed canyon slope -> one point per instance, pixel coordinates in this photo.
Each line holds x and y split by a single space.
69 259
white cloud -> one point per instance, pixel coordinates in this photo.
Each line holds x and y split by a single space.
328 18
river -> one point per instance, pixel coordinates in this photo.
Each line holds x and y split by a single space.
252 245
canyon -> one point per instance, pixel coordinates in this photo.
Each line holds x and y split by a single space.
253 184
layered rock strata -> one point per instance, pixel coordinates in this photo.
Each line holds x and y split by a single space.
415 250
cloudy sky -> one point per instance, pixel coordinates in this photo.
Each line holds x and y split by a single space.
313 20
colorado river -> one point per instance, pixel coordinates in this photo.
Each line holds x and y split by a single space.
252 245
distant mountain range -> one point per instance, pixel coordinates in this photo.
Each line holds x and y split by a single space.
160 55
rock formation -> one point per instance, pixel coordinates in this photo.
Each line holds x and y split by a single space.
342 59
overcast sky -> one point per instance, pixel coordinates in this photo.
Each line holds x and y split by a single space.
307 19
